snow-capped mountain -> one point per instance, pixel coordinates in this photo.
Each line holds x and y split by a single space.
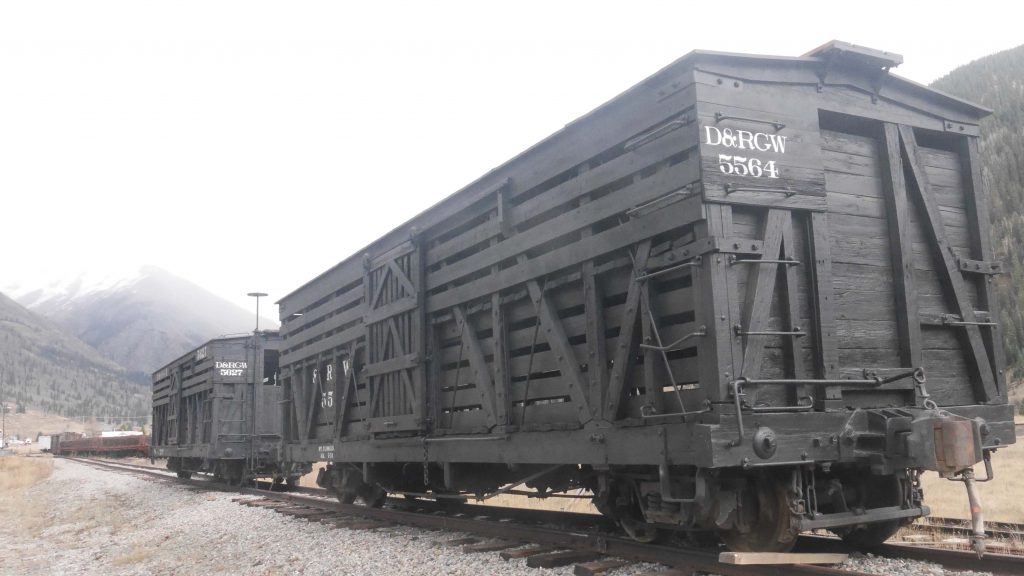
142 319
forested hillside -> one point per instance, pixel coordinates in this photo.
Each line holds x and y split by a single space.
44 368
997 82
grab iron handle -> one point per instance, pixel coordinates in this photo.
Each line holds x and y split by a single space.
696 262
733 260
950 321
658 132
668 347
729 189
773 123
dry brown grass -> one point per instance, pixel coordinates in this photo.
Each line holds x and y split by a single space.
18 473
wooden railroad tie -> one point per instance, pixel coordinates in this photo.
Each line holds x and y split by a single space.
751 558
599 566
493 546
561 558
526 552
456 542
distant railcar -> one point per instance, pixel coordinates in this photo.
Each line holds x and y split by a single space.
217 410
117 446
751 295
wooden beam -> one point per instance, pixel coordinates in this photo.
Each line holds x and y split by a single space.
299 401
312 399
791 308
981 240
626 345
652 391
477 365
717 308
823 310
499 340
900 244
756 558
593 301
499 329
555 335
761 291
949 269
344 400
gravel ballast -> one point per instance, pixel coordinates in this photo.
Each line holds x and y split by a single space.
102 522
91 521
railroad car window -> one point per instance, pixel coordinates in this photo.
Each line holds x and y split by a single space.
270 365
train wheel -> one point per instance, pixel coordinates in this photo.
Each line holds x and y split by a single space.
373 496
639 530
626 512
878 491
772 530
184 474
346 497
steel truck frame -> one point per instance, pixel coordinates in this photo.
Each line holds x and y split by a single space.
751 294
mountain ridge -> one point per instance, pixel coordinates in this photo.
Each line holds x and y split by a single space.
141 321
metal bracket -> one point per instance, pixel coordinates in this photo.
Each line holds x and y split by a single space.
954 320
980 266
669 347
733 260
794 332
660 131
681 193
730 188
773 123
696 262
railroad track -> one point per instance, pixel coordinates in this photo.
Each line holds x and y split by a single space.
1006 532
556 538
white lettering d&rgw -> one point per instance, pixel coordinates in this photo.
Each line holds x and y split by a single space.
744 139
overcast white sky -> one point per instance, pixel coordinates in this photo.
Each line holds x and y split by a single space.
251 145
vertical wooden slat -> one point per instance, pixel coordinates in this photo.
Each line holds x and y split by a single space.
299 401
499 331
593 302
900 244
981 241
823 301
949 269
653 362
499 339
791 307
717 308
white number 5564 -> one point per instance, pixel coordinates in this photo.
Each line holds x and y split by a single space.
743 166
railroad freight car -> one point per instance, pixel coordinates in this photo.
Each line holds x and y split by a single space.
115 446
751 294
217 410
